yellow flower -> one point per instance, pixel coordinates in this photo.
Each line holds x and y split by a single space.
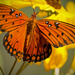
21 3
24 3
16 3
57 59
70 6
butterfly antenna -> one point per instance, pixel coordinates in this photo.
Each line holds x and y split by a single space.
32 6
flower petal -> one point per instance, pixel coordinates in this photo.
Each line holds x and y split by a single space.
70 7
57 58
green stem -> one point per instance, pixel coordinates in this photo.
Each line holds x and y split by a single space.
12 67
20 68
23 66
1 70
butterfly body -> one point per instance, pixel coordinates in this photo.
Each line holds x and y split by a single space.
32 39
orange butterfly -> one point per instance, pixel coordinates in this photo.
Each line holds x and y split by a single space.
31 39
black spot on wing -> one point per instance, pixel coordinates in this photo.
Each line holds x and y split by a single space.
49 34
49 25
20 14
12 11
6 20
56 24
47 22
62 33
13 23
44 46
3 16
17 41
57 35
11 35
16 15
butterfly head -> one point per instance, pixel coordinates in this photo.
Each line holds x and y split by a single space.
33 16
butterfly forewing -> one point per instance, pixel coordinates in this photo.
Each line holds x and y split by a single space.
57 33
11 18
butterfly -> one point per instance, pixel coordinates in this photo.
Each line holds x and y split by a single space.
32 39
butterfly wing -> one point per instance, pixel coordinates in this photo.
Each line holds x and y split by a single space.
14 22
14 41
56 33
11 18
38 47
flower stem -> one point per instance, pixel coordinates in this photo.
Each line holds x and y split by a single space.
23 66
12 67
57 71
1 70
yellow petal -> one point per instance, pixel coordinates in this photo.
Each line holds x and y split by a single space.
31 63
7 2
21 3
16 3
57 58
46 64
0 32
70 7
38 63
19 60
44 14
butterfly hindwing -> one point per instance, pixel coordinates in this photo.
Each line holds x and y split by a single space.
11 18
56 32
14 41
38 48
